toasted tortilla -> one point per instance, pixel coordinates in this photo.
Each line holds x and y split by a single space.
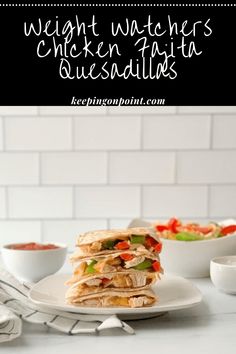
128 280
113 298
122 234
77 256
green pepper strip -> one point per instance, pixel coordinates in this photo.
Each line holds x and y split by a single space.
90 268
144 265
137 239
109 244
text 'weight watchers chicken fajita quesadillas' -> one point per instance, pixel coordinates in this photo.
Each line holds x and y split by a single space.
115 268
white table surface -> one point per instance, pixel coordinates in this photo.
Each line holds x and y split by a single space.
209 327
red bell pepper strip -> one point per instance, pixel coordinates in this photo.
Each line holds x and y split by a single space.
105 281
228 230
126 256
158 247
156 266
161 228
123 245
173 225
150 242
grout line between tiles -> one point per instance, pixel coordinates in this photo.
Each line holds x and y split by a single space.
109 220
208 200
176 169
141 201
3 134
211 131
73 201
7 203
41 229
134 150
72 133
108 157
141 136
40 169
125 185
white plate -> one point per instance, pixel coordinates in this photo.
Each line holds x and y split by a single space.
174 293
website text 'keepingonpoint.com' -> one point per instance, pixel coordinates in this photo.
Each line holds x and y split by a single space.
132 101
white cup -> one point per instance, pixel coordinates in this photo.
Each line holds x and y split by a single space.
223 273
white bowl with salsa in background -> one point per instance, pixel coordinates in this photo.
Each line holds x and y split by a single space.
191 259
33 264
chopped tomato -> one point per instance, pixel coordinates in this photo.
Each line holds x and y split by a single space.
197 228
173 225
158 247
105 281
203 229
161 228
150 241
123 245
228 230
156 266
126 256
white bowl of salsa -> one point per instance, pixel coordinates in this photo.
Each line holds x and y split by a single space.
33 261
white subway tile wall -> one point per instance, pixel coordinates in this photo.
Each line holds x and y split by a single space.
40 202
65 170
74 168
107 202
1 134
224 132
67 230
2 204
179 132
174 200
47 133
19 168
142 167
20 231
107 133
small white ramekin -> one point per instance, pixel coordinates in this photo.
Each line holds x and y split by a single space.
223 273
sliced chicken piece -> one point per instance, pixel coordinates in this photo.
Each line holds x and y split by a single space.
96 246
135 261
139 301
94 282
114 261
108 268
91 302
121 281
138 279
100 265
141 248
103 267
137 247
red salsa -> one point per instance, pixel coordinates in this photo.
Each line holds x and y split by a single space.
33 246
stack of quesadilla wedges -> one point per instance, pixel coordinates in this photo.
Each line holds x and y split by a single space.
115 268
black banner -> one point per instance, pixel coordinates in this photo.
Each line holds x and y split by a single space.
94 54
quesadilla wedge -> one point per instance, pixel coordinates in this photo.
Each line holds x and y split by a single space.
117 262
108 241
126 280
112 298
